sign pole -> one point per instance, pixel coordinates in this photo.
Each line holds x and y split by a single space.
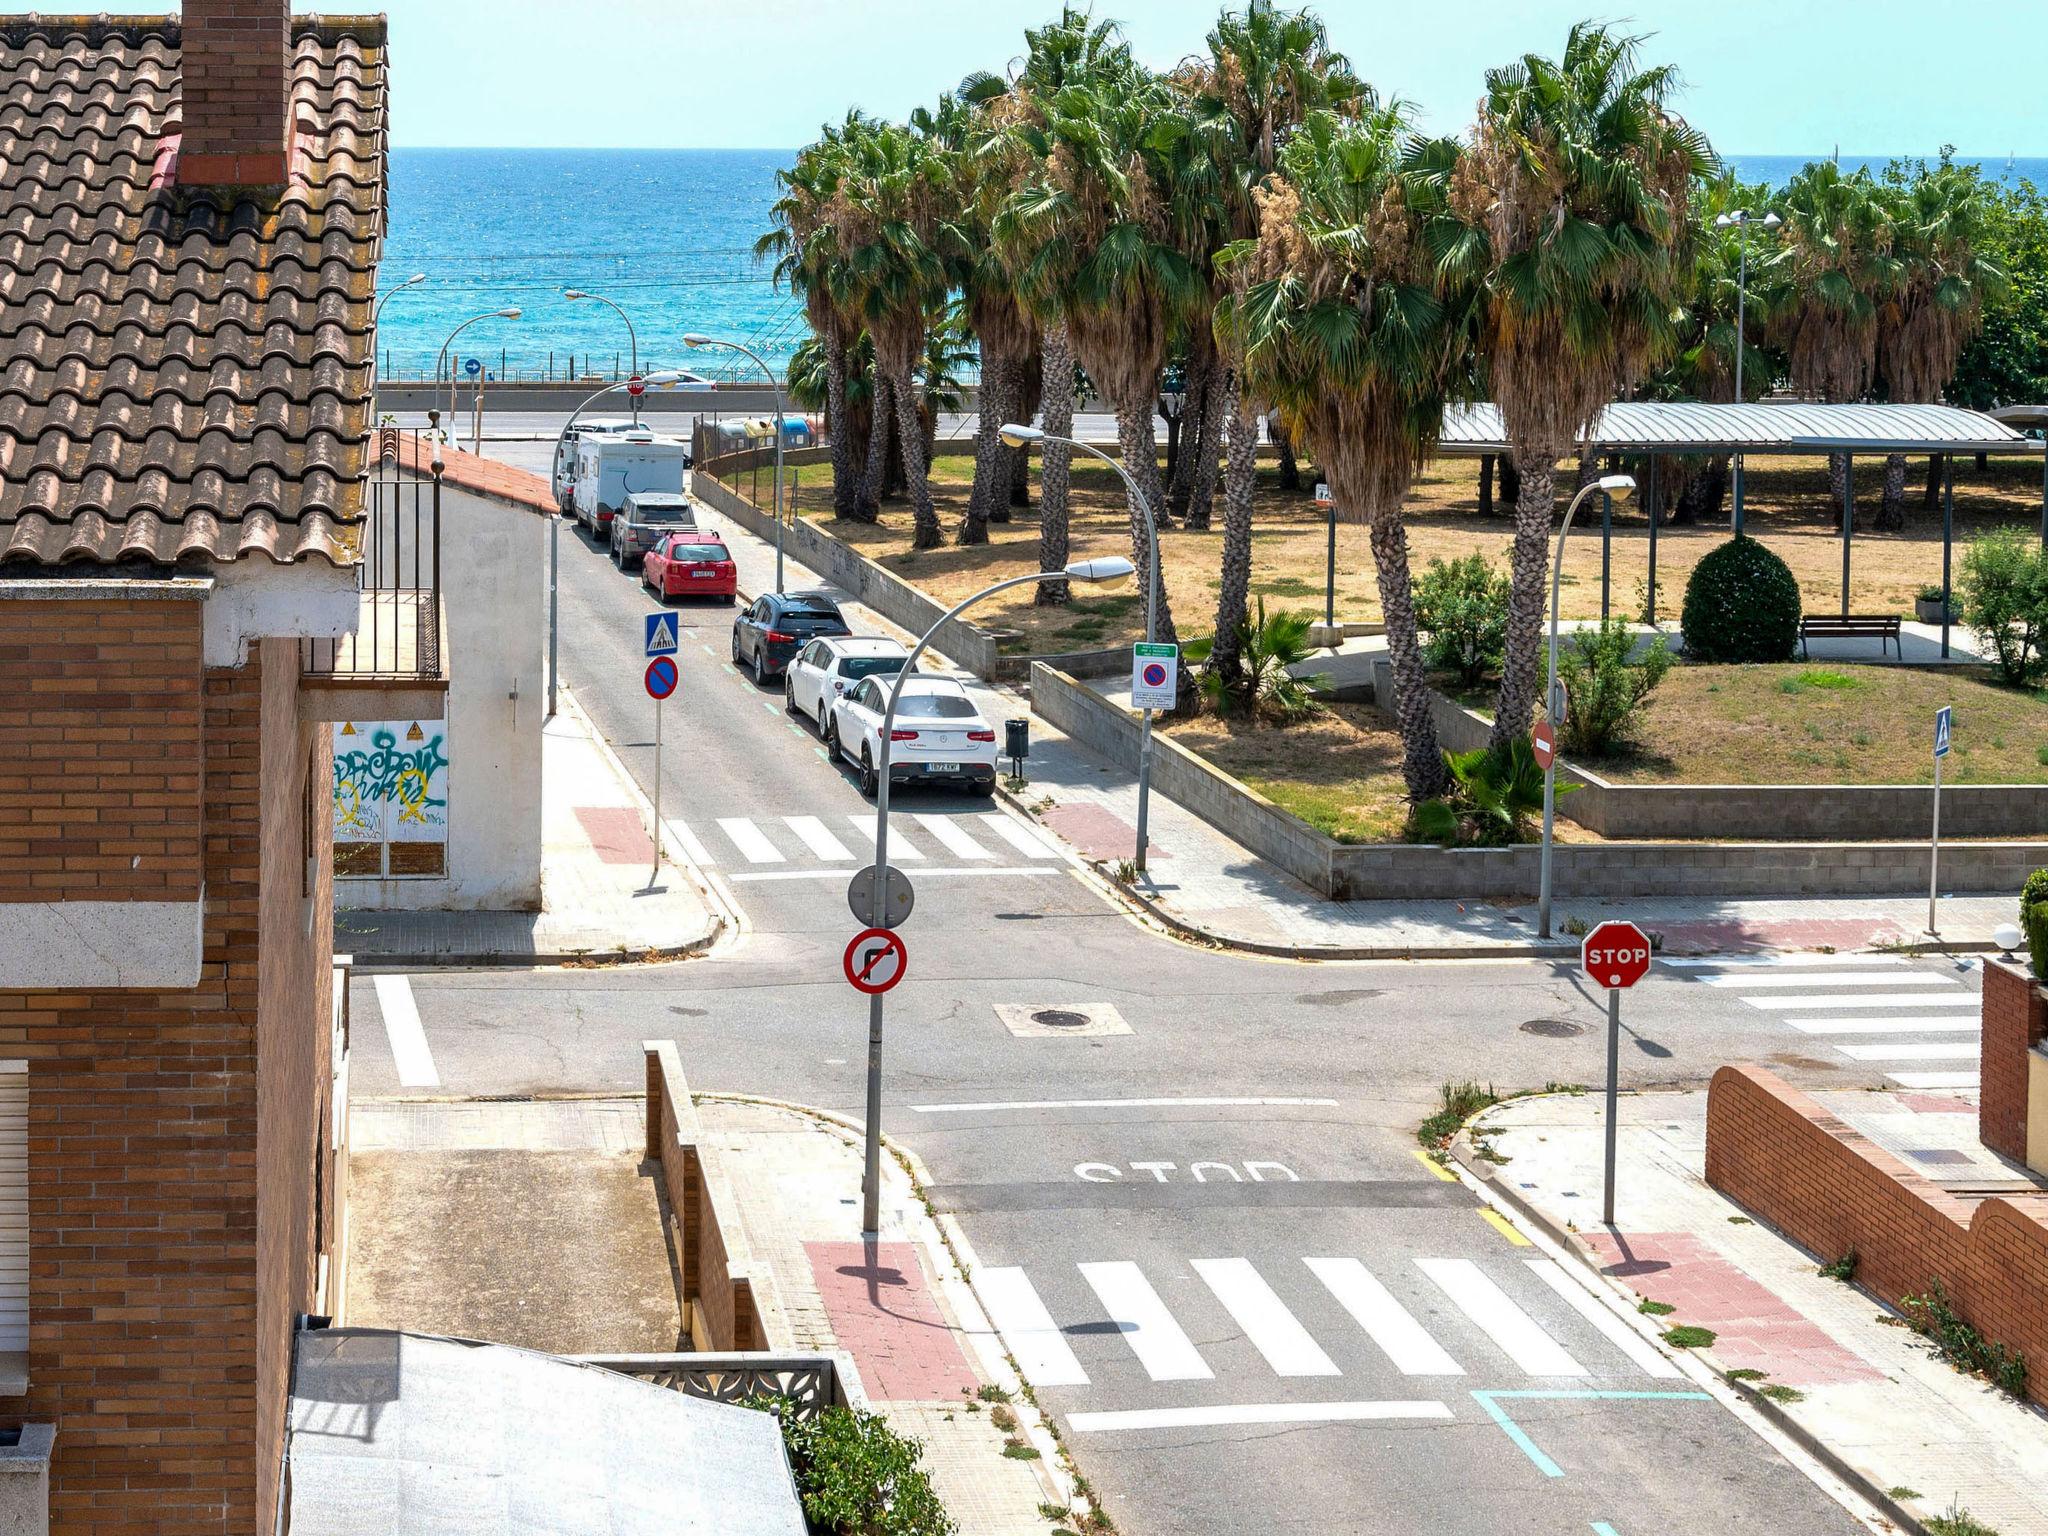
655 873
1934 853
1613 1100
554 607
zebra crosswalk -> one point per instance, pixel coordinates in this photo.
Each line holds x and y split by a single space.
1918 1026
986 841
1317 1316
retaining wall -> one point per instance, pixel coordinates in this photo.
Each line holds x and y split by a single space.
1779 1154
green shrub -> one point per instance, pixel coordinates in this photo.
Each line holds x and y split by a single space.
2034 921
2004 586
1498 790
1604 689
1742 604
1267 646
855 1476
1462 606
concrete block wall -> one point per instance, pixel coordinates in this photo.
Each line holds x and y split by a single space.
1776 1152
2015 1023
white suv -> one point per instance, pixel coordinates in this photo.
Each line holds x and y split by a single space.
938 735
825 669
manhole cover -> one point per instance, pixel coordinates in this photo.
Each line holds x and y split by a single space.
1060 1018
1553 1029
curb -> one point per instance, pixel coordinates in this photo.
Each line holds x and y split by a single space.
1864 1485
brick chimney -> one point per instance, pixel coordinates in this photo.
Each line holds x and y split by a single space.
237 93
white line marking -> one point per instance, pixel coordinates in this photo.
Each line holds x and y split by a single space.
943 869
1911 1050
1034 1339
1835 979
693 850
901 849
1935 1079
1135 1308
1617 1332
1020 837
816 838
1373 1307
1942 1025
954 836
1792 959
1252 1413
1259 1311
956 1109
408 1038
1871 1000
1511 1328
750 840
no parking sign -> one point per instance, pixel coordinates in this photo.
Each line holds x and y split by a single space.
1155 675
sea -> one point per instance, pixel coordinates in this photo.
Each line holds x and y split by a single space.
667 235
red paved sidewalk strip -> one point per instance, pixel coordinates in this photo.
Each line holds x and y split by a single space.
1098 833
1754 1328
883 1311
617 833
1733 936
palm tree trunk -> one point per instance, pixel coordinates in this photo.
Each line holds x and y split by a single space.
1930 498
1221 406
1233 597
1486 485
1202 382
991 479
845 485
1838 478
1290 468
871 485
1140 454
1510 481
925 532
1058 372
1529 570
1026 387
1422 759
1891 511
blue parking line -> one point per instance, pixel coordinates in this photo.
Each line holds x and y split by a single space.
1602 1528
1529 1448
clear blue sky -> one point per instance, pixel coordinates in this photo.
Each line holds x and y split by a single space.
1762 76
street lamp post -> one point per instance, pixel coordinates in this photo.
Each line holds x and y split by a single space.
632 337
694 339
1741 219
1111 571
489 314
555 522
1018 435
1620 487
376 311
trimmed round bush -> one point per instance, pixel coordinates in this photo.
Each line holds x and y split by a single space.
1741 605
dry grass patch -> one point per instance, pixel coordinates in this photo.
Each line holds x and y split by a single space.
1339 771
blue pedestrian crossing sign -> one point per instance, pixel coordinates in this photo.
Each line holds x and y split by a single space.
661 634
1942 719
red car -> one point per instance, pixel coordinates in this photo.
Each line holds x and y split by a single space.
690 565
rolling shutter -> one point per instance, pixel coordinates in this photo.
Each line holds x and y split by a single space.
13 1206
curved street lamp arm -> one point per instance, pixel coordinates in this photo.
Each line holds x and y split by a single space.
1151 527
555 469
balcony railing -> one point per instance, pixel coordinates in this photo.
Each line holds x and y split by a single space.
398 628
814 1382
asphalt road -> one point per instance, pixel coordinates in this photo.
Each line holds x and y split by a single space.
1194 1183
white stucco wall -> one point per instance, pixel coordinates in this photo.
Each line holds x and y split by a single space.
494 589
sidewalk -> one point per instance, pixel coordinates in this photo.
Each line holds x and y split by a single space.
927 1358
1832 1366
598 901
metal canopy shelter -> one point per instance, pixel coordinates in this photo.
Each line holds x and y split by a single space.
1657 429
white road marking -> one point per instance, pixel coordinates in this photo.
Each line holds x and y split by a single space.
1936 1079
956 1109
1941 1024
1252 1413
1911 1050
1135 1308
942 869
901 849
1617 1332
817 838
1514 1330
1373 1307
1791 959
408 1038
693 850
1027 1328
750 840
954 836
1259 1311
1020 837
1835 979
1871 1000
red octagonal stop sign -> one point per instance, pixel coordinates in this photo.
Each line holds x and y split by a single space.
1616 955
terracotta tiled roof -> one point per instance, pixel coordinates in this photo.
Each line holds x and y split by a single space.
184 375
487 477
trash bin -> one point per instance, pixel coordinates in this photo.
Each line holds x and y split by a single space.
1016 745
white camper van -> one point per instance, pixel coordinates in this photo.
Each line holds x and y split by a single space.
564 476
609 467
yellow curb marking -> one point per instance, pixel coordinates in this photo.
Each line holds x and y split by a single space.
1504 1227
1435 1167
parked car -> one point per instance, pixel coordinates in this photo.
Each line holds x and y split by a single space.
563 479
938 737
825 669
776 626
644 518
690 565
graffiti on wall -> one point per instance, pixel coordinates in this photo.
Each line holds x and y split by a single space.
390 792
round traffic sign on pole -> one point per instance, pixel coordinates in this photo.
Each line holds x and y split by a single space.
875 960
1543 743
1616 955
661 677
1155 675
636 386
897 899
472 367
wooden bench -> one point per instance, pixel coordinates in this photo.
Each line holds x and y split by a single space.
1851 626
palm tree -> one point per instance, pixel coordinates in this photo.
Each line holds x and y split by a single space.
1340 318
1575 194
1265 72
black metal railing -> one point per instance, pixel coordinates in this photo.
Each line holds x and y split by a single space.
398 575
813 1381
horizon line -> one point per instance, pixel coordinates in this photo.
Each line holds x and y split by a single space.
779 149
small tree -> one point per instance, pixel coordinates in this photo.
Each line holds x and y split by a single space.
1462 605
1741 604
2034 920
2005 600
1267 645
1605 687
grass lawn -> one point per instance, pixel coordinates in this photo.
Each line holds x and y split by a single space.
1810 723
1787 507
